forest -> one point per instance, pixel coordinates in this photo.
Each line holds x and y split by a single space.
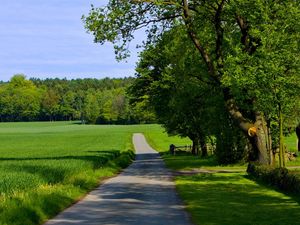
101 101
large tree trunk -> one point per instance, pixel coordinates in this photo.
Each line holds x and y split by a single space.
257 132
262 141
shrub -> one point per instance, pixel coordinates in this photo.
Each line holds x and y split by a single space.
279 177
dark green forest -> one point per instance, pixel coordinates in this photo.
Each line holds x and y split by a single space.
101 101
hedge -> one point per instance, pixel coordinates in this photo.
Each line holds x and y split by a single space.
281 178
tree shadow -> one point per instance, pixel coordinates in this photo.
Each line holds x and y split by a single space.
57 169
186 161
129 201
231 199
294 196
97 159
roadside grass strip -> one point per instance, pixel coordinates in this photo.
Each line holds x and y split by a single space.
231 198
223 196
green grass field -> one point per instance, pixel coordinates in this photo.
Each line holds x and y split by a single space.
44 167
291 142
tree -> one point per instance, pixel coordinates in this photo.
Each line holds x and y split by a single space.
175 97
67 105
20 99
185 104
225 34
50 104
91 107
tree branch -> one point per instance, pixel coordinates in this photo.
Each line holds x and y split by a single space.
146 23
250 43
235 113
219 33
156 2
206 57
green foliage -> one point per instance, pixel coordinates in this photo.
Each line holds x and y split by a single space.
183 97
231 144
167 82
19 100
281 178
249 51
93 101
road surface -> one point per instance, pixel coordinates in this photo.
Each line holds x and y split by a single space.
143 194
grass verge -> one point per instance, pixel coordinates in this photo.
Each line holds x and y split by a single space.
221 199
226 198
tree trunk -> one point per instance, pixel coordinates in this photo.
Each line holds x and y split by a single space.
260 140
272 151
258 133
195 147
298 136
203 145
262 143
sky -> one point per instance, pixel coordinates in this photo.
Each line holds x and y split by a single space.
47 39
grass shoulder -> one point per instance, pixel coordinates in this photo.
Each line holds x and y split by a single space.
225 194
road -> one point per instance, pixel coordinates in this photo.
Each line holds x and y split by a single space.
143 194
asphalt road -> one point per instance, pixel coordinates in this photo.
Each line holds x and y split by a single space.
143 194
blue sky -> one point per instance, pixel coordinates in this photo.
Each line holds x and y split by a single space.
47 39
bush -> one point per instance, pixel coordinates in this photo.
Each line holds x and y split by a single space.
230 144
281 178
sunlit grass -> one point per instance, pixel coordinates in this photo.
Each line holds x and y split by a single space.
226 198
291 142
221 199
46 166
161 141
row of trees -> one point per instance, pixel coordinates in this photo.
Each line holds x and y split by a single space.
89 100
224 68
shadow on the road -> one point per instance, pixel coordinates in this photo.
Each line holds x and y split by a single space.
128 203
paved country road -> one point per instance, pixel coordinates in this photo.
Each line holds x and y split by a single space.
142 194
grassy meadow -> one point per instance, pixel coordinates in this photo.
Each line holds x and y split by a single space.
46 166
291 142
227 198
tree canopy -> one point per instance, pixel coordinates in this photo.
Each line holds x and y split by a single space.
248 49
90 100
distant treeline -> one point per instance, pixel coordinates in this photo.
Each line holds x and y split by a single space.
102 101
